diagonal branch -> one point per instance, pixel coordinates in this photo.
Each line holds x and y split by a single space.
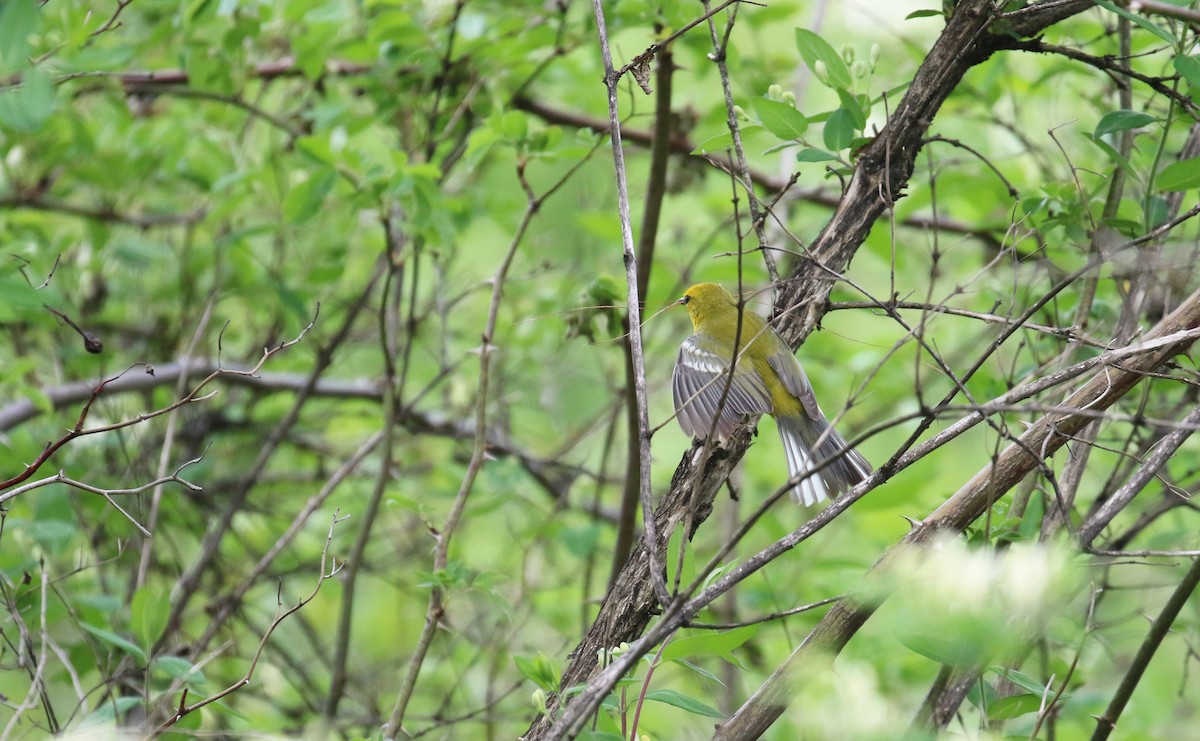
1046 436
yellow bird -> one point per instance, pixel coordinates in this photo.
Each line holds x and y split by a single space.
767 379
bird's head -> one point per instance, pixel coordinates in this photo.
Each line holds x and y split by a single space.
707 301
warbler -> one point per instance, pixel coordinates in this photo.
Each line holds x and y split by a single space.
767 379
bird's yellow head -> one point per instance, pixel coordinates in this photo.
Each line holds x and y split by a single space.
706 301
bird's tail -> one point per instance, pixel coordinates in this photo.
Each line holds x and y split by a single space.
848 466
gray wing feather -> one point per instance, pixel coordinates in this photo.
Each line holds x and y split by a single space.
795 381
697 385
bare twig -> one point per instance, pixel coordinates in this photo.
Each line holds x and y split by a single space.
1107 722
436 604
185 709
633 309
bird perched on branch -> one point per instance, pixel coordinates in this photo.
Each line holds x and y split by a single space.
766 379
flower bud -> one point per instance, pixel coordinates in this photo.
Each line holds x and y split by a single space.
821 71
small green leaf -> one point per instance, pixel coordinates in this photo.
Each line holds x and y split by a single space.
318 148
1139 20
981 694
1189 67
781 119
19 19
26 107
541 669
709 643
815 155
1122 121
927 13
1031 519
839 130
701 671
1022 680
304 200
148 614
113 639
815 49
851 104
1182 175
677 547
1156 213
1114 154
723 141
109 711
1007 708
944 650
19 297
583 540
683 702
177 667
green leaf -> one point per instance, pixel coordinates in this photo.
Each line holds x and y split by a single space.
304 200
1182 175
815 49
177 667
1022 680
815 155
927 13
709 643
108 712
148 614
26 107
943 649
1156 213
19 19
781 119
1139 20
1007 708
688 566
1031 519
19 297
839 130
582 540
1121 121
981 694
318 148
723 141
113 639
53 535
701 671
683 702
1189 68
541 669
1114 154
851 104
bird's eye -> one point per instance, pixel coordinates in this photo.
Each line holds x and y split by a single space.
685 299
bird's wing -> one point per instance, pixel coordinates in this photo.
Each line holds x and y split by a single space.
785 365
699 382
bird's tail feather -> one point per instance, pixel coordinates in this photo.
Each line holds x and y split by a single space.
848 466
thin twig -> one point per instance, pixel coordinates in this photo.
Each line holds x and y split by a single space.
1107 722
185 709
633 310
